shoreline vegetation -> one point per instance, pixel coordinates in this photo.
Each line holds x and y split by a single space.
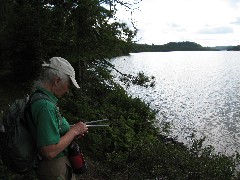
133 147
88 34
180 46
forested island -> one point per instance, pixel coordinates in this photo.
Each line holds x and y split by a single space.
234 48
87 33
180 46
171 46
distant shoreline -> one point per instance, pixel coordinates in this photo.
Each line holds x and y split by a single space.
180 46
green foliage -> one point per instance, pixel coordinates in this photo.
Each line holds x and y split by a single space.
140 79
144 80
234 48
82 31
171 46
131 148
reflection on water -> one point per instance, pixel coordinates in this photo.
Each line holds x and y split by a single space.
198 92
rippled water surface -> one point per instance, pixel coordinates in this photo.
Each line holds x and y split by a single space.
199 92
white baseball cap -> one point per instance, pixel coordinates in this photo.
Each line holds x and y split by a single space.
63 65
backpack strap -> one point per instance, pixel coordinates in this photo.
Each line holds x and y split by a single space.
38 95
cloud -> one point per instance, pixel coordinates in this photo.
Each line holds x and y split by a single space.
173 25
216 30
234 2
209 23
171 28
237 22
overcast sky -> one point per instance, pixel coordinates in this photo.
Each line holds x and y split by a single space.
206 22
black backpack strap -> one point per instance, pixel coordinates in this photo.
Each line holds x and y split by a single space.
38 95
28 118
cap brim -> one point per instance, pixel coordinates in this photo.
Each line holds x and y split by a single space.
74 82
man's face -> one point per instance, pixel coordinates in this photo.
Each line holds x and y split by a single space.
61 88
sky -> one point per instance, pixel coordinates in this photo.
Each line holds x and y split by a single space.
206 22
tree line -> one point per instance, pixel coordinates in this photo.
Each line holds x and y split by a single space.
180 46
171 46
82 31
234 48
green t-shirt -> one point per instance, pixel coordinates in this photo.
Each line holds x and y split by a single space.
49 126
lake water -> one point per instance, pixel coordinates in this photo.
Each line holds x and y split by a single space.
198 92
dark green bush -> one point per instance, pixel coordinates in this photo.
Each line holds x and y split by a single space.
132 147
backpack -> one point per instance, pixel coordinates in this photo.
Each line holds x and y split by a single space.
18 136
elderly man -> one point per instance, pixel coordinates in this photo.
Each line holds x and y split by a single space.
53 133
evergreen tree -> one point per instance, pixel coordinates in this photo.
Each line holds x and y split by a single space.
83 31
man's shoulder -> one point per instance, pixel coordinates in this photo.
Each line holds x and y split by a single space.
37 95
42 104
